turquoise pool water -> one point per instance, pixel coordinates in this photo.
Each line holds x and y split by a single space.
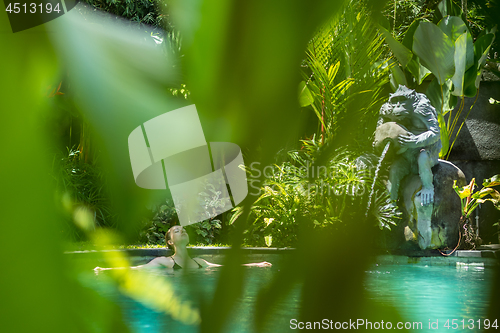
145 320
419 292
437 293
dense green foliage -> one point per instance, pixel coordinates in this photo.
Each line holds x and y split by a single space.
481 15
165 216
326 195
339 84
83 183
478 14
148 12
154 228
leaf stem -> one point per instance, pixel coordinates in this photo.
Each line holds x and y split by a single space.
460 128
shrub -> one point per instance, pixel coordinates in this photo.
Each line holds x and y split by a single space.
321 196
157 224
164 216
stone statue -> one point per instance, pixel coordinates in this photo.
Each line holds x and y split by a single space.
419 141
409 122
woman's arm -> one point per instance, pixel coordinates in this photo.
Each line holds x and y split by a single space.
259 264
205 263
155 263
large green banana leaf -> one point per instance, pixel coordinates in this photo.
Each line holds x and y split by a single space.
435 50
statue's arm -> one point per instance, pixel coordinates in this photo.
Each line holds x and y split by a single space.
430 136
426 138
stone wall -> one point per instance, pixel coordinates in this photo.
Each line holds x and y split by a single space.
477 149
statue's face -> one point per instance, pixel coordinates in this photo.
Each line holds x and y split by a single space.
401 107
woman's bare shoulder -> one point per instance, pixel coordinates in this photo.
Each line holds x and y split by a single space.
162 261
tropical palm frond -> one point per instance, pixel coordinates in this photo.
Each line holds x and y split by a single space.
343 69
384 210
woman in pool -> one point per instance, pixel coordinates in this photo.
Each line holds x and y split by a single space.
177 239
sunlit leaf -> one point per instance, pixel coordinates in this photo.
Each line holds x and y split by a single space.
463 191
305 96
417 70
408 37
473 74
397 77
481 194
268 240
495 195
460 60
496 202
481 49
493 181
435 50
400 51
453 27
440 96
332 71
470 89
448 7
445 144
469 59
